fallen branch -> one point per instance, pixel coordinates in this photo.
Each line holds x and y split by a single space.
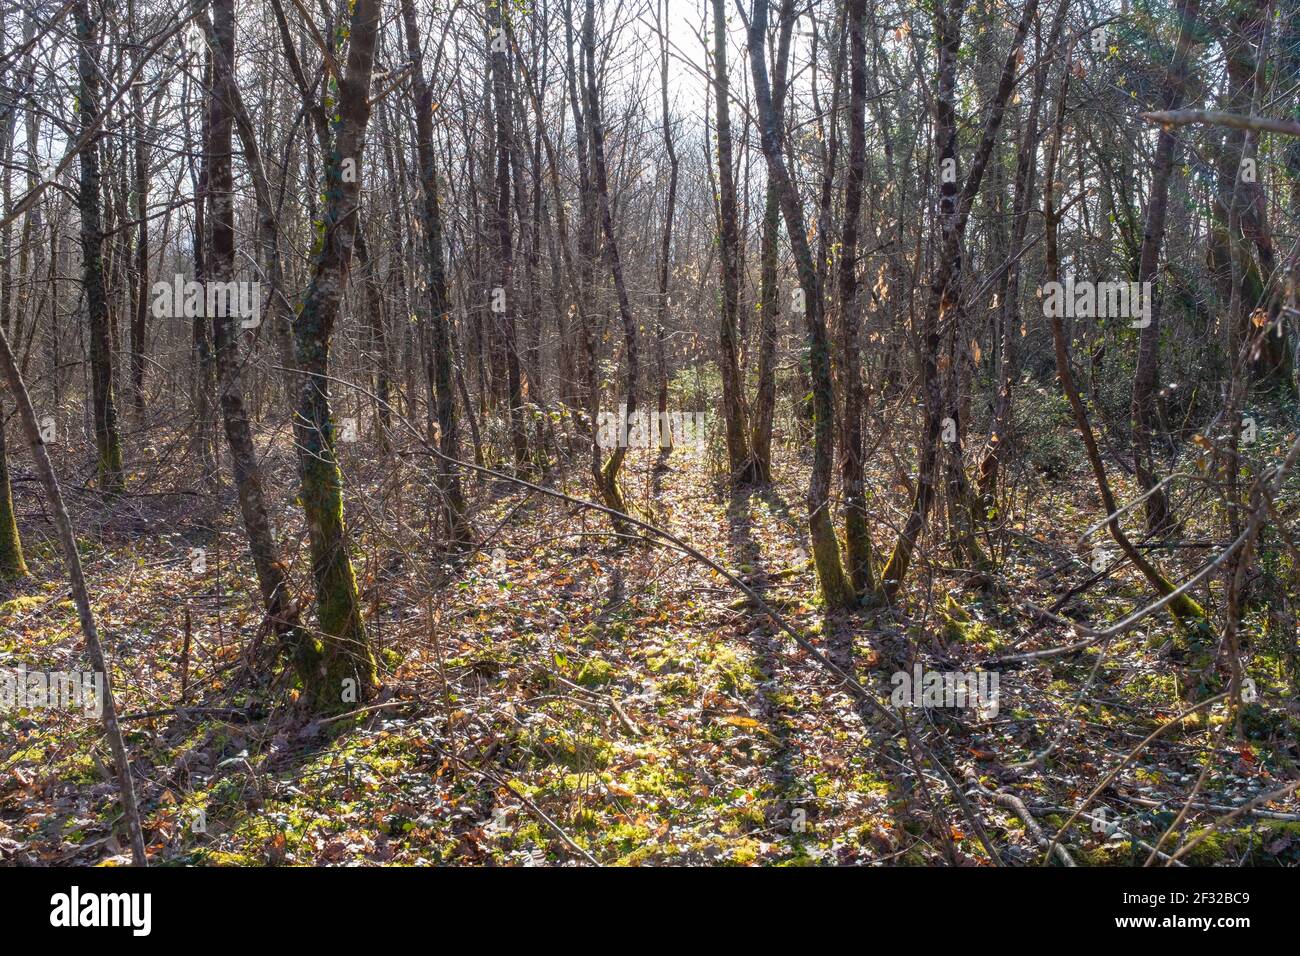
1114 771
1014 803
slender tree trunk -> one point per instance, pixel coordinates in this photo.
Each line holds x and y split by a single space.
769 296
506 317
342 653
272 576
835 586
141 298
600 181
202 440
670 208
12 564
733 390
80 593
943 309
857 535
1000 433
941 301
1183 609
108 440
439 360
379 366
1142 408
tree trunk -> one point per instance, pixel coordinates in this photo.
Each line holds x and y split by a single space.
836 589
12 564
1183 609
108 440
342 652
76 579
201 386
438 361
769 296
670 208
857 535
1000 433
141 189
272 576
733 391
506 322
600 181
1148 358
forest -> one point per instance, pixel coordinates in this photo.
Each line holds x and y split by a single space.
593 433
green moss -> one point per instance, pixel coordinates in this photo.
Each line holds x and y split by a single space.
677 685
342 651
1270 843
961 626
575 752
19 605
735 675
595 672
1111 853
12 565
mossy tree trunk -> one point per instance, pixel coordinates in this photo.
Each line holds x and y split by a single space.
12 564
341 653
835 587
857 536
272 577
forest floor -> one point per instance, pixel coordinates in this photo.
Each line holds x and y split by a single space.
561 692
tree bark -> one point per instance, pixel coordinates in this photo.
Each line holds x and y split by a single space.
272 575
77 581
837 591
769 295
438 361
506 322
600 181
108 439
1142 407
342 652
857 534
733 391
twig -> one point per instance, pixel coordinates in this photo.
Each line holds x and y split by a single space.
1258 124
1114 771
1012 802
